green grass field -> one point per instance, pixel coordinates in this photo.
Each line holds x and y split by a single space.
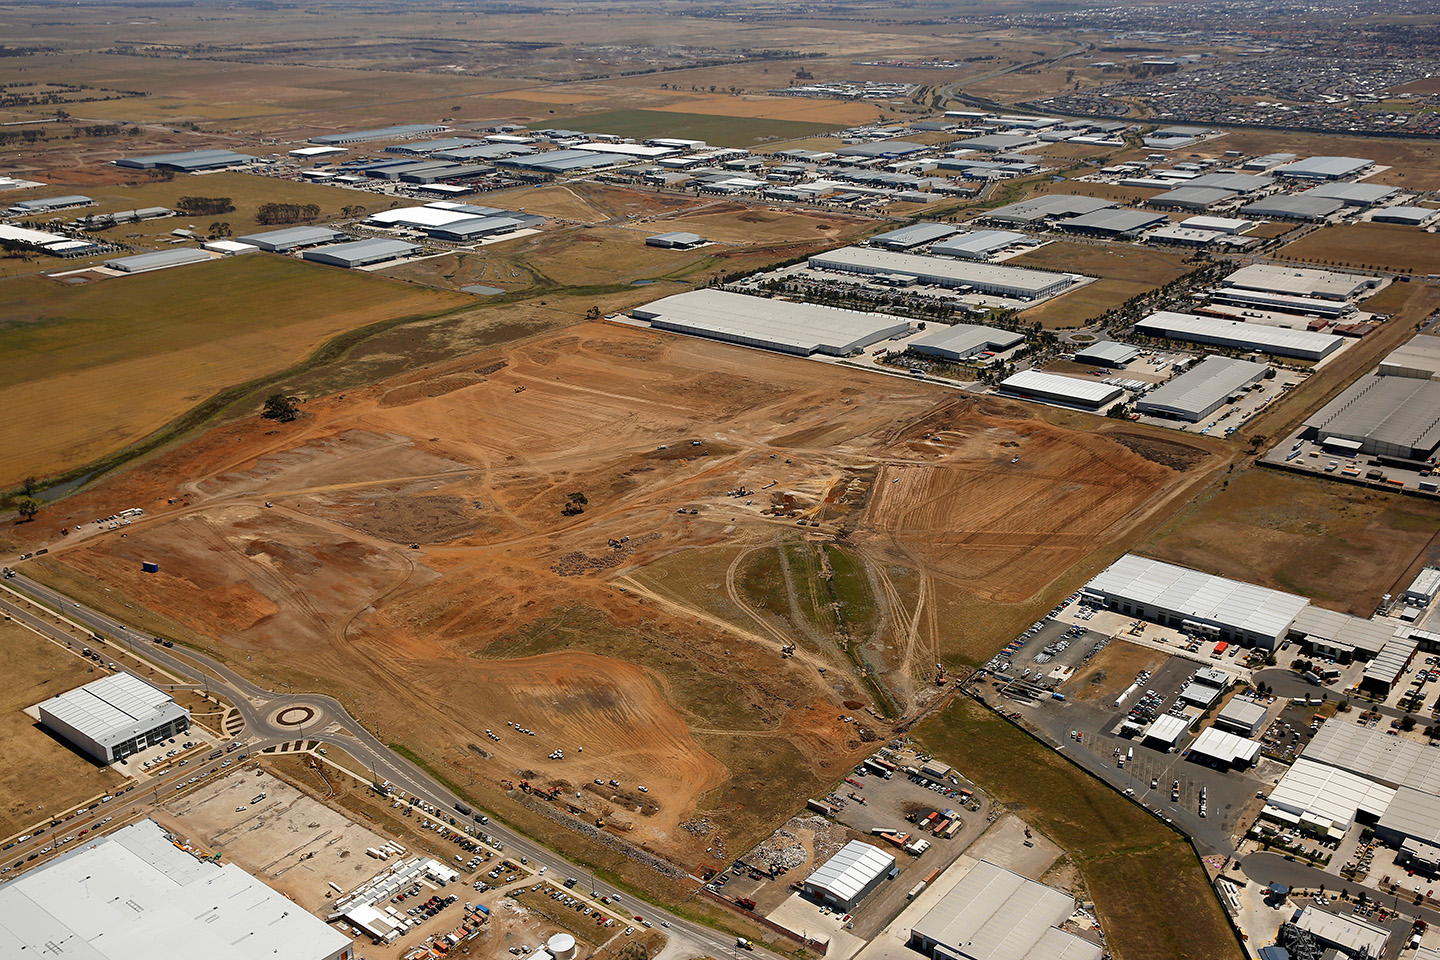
104 363
714 130
1136 870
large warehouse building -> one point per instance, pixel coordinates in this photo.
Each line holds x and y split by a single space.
978 245
1203 389
1324 799
135 894
994 914
114 717
361 253
783 325
849 876
1420 358
1382 416
1198 602
293 238
188 162
1301 282
964 340
1278 341
1014 282
1060 390
1323 168
381 133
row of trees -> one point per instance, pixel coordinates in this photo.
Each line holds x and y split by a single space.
272 213
204 206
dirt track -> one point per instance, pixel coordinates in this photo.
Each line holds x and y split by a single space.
289 547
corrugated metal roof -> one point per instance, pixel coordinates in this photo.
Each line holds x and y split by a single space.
788 326
1224 745
1346 932
981 243
1413 813
1108 351
1234 333
142 262
1193 197
1242 712
1053 205
994 914
1323 168
964 339
292 237
913 235
986 277
1197 391
1333 627
113 709
1322 793
849 871
1355 194
1393 761
1053 384
1399 411
1167 728
1301 206
1300 281
1114 221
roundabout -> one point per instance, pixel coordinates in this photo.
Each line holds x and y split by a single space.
294 716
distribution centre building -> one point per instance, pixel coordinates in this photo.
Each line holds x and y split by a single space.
1382 416
382 133
159 260
283 241
134 894
964 340
1060 390
1107 353
1197 602
1278 341
187 162
1293 207
979 245
1013 282
848 877
1323 168
361 253
1420 358
1301 281
114 717
783 325
1203 389
915 235
994 914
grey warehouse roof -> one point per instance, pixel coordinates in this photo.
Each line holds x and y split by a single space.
986 277
1196 197
1299 281
974 246
1413 813
849 871
126 895
1242 713
1323 168
965 339
380 133
1393 761
787 326
189 160
113 709
1200 389
1332 628
1055 205
882 148
1401 412
142 262
913 235
1413 216
993 914
1202 596
1114 221
1059 388
1301 207
289 239
1108 351
361 252
1354 194
1233 333
1239 182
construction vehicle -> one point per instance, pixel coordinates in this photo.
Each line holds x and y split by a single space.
939 674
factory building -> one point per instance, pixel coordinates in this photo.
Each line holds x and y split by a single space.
293 238
1242 716
1053 207
114 717
1302 206
1191 198
782 325
1424 588
1107 353
1059 390
994 914
915 235
1354 194
1013 282
1339 636
979 245
1323 168
1419 359
382 133
1301 282
1203 389
1405 216
675 240
1113 224
1304 344
1228 750
1324 799
964 340
126 895
30 208
1199 603
848 877
1382 416
160 260
361 253
188 162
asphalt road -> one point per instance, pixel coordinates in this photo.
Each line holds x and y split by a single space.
258 707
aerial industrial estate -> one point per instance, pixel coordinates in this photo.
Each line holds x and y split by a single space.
953 482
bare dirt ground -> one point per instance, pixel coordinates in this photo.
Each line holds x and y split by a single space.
288 549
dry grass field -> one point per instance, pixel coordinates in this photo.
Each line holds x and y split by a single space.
1079 307
1375 246
104 363
40 775
1145 265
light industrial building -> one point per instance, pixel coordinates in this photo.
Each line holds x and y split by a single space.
1203 389
1113 224
27 208
1283 206
1420 359
187 162
1301 282
783 325
1226 748
1354 194
915 235
114 717
381 133
979 245
1277 341
160 260
675 240
1196 602
476 228
1051 207
1339 636
1406 216
1384 672
1368 752
1165 732
1351 937
848 877
1060 390
1242 716
1191 198
1107 353
964 340
1382 416
1323 168
361 253
57 245
1013 282
135 894
1424 588
994 914
1281 303
1412 816
1238 182
1324 799
294 238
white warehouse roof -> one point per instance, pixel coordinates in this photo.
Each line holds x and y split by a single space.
994 914
1299 281
1223 745
1327 796
113 709
1202 596
1349 934
1393 761
784 325
984 277
1234 333
962 340
1062 389
126 895
1167 729
418 217
847 873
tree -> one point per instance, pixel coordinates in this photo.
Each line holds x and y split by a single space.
280 407
27 507
592 314
29 486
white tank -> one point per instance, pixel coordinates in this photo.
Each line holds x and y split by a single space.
561 946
